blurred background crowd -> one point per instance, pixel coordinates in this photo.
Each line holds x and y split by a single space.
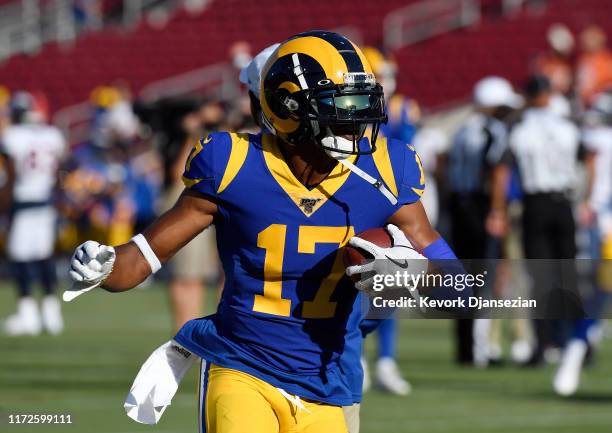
508 102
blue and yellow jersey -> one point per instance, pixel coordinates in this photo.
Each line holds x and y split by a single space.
286 303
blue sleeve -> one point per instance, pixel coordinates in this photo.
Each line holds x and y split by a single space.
408 172
412 186
439 250
206 163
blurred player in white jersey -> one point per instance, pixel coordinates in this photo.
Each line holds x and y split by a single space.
34 151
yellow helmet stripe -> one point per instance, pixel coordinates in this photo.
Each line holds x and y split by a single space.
346 49
322 51
364 62
344 46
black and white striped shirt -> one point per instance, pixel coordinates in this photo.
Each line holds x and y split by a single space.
477 147
545 147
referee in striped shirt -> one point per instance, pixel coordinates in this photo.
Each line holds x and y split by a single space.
545 147
478 172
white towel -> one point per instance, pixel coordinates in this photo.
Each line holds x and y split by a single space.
157 382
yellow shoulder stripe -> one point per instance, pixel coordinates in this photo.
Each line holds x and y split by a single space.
238 154
382 161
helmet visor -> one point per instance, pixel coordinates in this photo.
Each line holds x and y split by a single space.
348 111
337 105
348 103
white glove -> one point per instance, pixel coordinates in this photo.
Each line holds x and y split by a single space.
91 263
387 261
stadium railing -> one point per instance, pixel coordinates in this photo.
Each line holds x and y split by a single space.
28 24
428 18
218 80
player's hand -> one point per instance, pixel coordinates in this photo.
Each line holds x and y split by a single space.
586 215
402 257
91 263
496 223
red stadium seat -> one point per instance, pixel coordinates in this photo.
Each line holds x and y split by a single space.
435 72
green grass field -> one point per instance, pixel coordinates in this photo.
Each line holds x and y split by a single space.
88 370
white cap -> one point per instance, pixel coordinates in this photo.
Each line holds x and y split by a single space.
496 92
251 73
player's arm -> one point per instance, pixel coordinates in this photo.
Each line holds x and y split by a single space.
414 241
410 228
412 220
191 214
95 265
586 214
496 223
413 237
408 225
117 270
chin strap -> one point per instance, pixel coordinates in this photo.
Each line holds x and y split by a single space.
378 184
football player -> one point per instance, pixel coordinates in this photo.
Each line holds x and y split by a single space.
357 328
283 202
33 151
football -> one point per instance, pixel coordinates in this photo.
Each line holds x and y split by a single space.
356 256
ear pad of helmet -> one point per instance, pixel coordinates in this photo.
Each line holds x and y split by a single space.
285 103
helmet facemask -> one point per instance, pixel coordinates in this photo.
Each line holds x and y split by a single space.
340 114
336 116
